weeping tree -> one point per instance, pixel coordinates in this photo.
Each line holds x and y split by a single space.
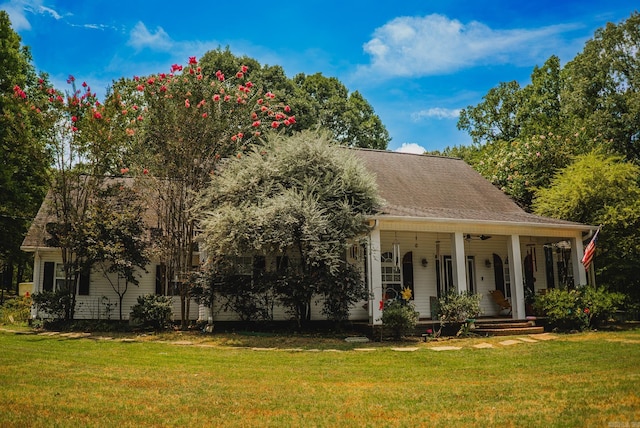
302 201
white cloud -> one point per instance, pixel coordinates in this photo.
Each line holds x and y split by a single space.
436 112
435 44
140 37
18 9
411 148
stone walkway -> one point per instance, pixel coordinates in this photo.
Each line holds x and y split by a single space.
516 340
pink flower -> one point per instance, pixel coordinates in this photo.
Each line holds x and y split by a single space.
176 67
275 124
74 129
71 79
97 115
381 305
227 97
187 104
287 109
151 80
74 119
260 101
84 84
256 124
205 114
239 74
140 88
240 135
163 88
244 68
124 170
586 311
145 171
193 60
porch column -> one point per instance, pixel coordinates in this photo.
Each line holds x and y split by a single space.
37 281
577 251
458 261
516 277
375 278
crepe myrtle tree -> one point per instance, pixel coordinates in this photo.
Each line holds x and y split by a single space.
179 124
299 197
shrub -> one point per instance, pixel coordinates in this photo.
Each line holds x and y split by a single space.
56 304
400 317
578 309
15 310
153 311
459 307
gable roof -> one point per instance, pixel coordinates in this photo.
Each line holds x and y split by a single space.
438 187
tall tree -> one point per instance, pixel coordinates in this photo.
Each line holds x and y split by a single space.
24 161
602 87
495 117
296 197
180 124
318 101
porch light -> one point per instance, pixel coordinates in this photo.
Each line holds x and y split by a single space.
424 262
487 263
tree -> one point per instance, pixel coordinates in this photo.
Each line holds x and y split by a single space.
495 117
601 94
302 199
115 236
602 189
318 101
24 161
179 125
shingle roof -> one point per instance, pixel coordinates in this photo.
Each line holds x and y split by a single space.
440 187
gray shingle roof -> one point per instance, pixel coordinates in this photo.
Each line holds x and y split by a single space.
438 187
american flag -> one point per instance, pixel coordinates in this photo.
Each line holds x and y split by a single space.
590 250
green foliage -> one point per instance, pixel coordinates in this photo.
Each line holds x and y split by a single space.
457 308
578 309
56 304
341 291
153 311
318 101
15 310
24 161
602 189
298 196
400 317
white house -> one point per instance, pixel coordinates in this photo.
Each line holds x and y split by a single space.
442 226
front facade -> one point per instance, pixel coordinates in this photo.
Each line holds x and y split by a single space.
441 227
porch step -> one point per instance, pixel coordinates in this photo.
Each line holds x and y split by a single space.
509 331
507 327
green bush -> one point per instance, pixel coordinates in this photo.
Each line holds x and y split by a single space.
15 310
56 304
459 307
578 309
153 311
400 317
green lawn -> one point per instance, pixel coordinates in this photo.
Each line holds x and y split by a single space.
586 379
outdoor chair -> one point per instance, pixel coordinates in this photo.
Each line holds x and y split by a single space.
500 300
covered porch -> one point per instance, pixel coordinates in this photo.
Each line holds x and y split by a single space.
434 256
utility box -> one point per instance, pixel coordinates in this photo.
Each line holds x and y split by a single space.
24 288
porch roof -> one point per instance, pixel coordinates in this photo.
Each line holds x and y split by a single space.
441 188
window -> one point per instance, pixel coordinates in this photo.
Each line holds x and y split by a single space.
448 274
54 278
391 276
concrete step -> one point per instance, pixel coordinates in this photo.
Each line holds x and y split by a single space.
513 331
495 325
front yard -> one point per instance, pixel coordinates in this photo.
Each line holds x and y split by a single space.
585 379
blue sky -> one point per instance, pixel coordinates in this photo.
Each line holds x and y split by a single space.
417 62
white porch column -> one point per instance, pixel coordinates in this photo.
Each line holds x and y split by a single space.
577 251
375 278
516 277
37 281
459 262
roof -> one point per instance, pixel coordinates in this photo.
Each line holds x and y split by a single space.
438 187
412 186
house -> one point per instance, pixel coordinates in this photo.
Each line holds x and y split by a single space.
442 227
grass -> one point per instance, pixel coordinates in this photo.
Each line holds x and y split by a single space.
238 380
